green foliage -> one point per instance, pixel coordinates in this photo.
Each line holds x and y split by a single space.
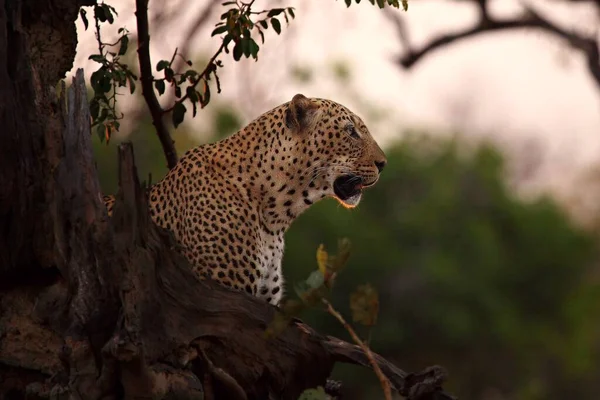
314 289
239 24
364 304
314 394
111 74
383 3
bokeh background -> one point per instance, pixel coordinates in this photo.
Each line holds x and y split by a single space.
482 235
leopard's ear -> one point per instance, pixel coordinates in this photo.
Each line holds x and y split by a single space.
301 113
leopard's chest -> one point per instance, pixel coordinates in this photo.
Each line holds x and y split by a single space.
270 283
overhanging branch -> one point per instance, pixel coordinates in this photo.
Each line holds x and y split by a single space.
530 19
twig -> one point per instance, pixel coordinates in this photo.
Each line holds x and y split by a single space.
201 76
385 383
531 19
146 78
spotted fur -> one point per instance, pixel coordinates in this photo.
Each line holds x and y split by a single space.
229 203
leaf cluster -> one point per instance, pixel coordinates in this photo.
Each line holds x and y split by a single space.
111 74
312 291
383 3
238 25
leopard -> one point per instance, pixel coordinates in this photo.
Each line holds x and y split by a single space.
228 204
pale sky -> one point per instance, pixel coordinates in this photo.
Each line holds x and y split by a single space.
517 88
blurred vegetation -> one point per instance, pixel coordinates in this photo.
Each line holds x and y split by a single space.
500 291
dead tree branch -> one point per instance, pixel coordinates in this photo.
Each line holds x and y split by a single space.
147 79
530 19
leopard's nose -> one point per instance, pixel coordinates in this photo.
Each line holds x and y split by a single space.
380 165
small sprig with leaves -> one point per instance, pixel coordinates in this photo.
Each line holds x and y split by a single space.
382 3
111 74
314 291
237 24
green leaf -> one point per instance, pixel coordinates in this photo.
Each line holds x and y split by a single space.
100 129
95 80
264 23
205 99
405 5
131 83
162 64
274 12
178 114
94 108
237 51
98 58
228 3
169 74
364 303
177 91
108 12
219 30
106 83
112 9
246 47
83 15
254 48
291 11
124 44
226 41
348 3
342 256
315 279
190 73
99 14
381 3
314 394
160 86
192 94
276 25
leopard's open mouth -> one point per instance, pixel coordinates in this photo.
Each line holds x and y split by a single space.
347 186
348 189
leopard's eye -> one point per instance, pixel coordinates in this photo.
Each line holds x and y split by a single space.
352 131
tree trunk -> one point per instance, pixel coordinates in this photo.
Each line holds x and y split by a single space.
99 308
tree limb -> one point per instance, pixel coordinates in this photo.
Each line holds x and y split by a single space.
530 19
147 79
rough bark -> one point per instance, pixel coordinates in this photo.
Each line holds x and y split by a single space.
99 308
